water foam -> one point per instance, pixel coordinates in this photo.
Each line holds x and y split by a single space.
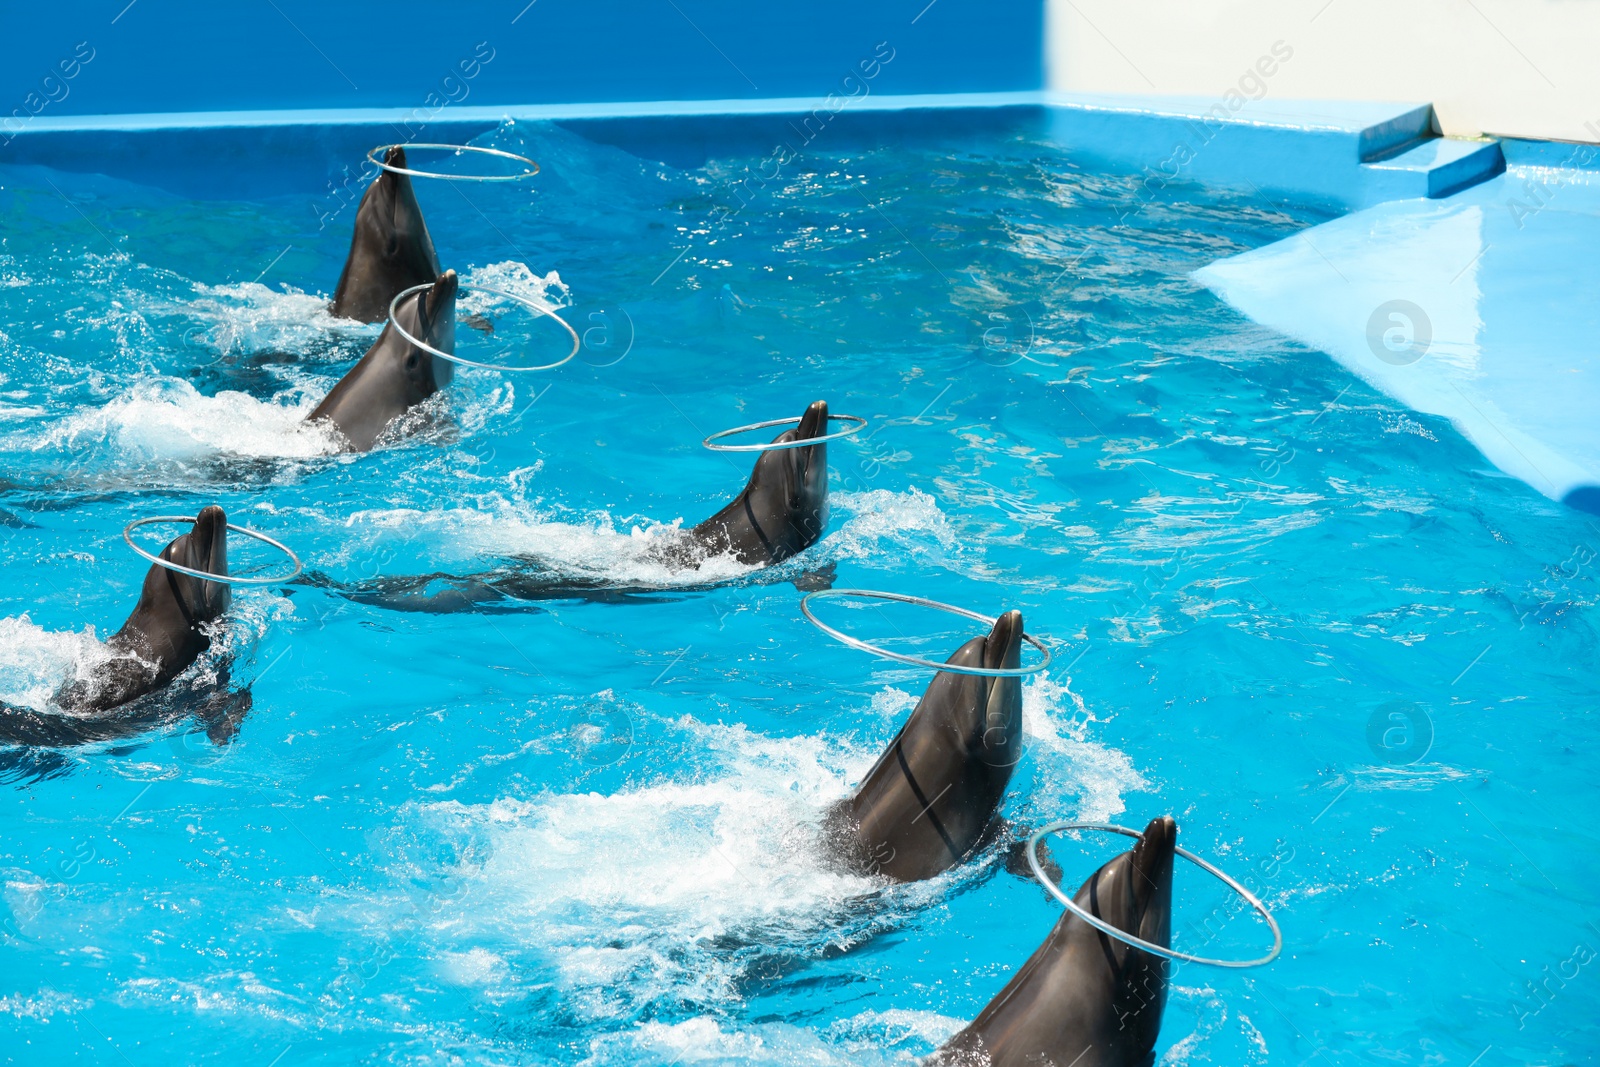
1076 777
34 661
501 529
167 420
693 882
888 528
248 317
511 276
709 1041
607 549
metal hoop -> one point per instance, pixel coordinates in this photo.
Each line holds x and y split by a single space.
917 661
401 330
384 149
225 579
1137 942
857 424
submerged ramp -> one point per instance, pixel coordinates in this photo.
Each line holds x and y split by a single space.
1480 307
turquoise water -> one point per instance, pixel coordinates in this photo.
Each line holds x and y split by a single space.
1354 661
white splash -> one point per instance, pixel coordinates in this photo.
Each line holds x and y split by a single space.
34 662
881 525
167 419
504 530
249 317
1076 777
548 291
693 881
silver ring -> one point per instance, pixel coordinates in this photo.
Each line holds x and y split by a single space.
917 661
857 424
401 330
225 579
384 149
1138 942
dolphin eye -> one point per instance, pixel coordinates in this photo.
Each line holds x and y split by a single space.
411 361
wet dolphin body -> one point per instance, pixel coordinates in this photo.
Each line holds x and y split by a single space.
784 506
390 250
933 797
523 581
164 635
1084 998
782 510
395 374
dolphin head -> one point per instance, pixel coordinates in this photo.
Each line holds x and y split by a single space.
795 480
390 249
1001 698
1133 892
1150 880
389 210
430 316
203 548
986 711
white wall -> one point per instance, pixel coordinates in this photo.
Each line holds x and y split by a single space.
1525 68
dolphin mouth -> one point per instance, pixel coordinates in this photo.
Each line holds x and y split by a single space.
210 539
438 304
814 423
386 187
207 550
1153 859
389 181
1002 649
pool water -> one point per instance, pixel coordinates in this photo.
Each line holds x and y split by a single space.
1353 660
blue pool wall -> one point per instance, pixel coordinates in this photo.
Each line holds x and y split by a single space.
285 98
154 57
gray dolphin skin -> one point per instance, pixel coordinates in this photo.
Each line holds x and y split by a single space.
934 795
784 506
165 635
390 250
1085 999
395 374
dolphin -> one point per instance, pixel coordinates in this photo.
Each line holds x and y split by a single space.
390 250
933 797
782 510
1083 998
784 506
395 374
167 631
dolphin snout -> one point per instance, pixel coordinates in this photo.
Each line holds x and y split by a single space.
437 308
1002 650
436 317
814 423
207 550
1153 858
210 539
443 293
210 531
